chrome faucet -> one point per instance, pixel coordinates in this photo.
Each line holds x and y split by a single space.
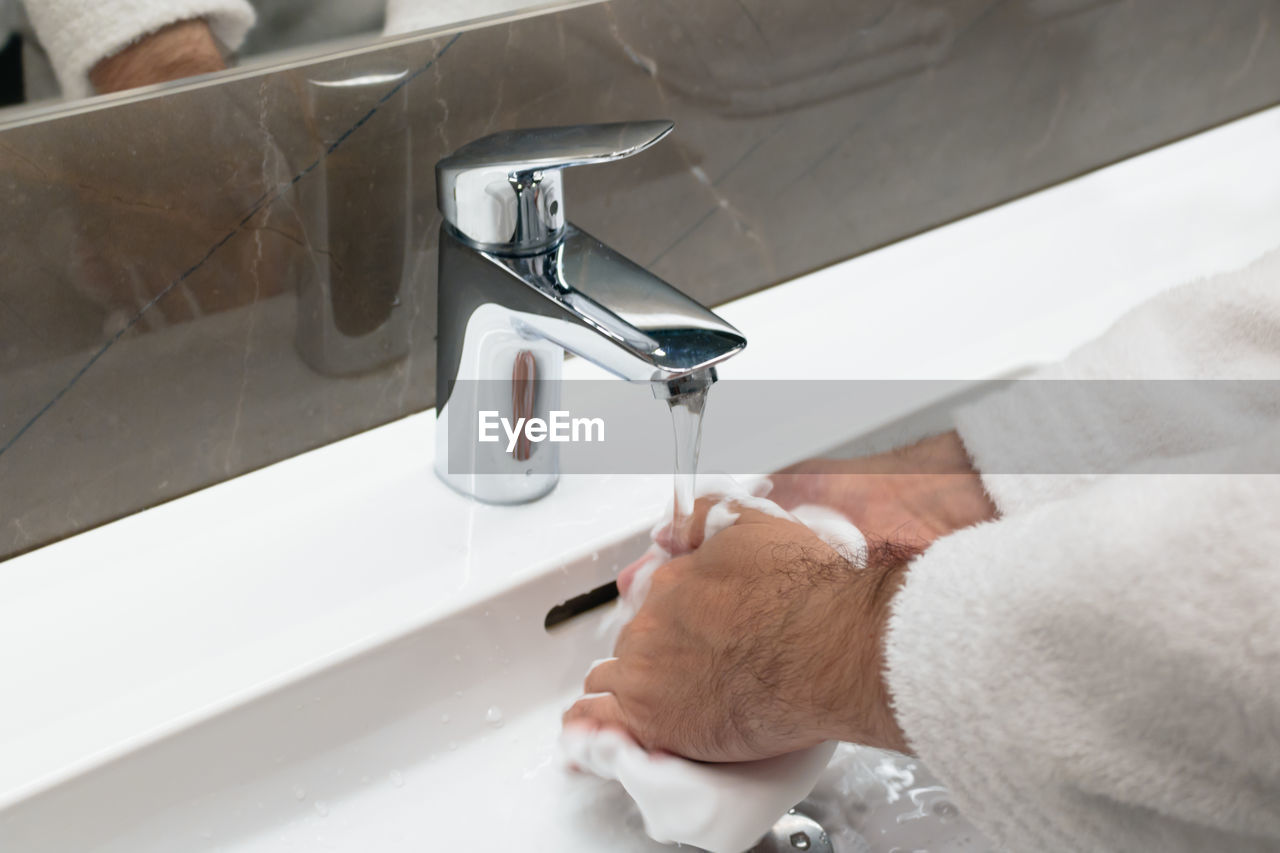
519 285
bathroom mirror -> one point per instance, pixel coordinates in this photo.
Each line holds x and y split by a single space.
67 50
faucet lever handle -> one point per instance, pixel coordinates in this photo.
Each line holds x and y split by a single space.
504 192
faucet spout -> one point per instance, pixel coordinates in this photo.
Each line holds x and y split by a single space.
588 299
674 390
507 311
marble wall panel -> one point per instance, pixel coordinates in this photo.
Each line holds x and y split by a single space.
162 254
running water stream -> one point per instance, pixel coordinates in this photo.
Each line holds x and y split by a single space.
686 420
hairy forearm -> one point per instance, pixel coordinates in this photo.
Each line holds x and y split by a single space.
180 50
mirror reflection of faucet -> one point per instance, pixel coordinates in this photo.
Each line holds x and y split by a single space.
353 312
519 285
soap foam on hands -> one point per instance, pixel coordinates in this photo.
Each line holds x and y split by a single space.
722 808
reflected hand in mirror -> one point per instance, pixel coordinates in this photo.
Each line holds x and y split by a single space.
179 50
76 48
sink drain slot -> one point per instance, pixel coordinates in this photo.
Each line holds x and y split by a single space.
580 604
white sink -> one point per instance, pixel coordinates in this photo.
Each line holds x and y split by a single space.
305 658
441 739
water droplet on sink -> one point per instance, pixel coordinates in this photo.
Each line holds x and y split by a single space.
322 808
943 808
493 716
595 555
299 794
397 779
800 841
453 745
458 658
457 693
444 718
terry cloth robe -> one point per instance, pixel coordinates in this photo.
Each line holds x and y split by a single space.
1099 668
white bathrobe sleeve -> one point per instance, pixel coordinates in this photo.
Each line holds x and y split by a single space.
1226 327
1102 672
78 33
1099 669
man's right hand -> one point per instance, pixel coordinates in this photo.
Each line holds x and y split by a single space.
911 495
762 640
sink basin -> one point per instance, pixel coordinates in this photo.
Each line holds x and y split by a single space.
442 733
433 715
442 738
338 653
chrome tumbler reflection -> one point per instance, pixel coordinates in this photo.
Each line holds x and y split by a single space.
357 211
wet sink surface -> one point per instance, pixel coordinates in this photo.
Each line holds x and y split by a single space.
872 800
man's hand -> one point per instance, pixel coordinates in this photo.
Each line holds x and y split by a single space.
762 641
911 496
184 49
